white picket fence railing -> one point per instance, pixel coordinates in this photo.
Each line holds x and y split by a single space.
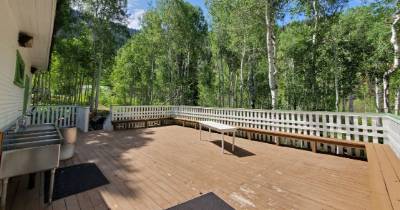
358 127
121 113
61 116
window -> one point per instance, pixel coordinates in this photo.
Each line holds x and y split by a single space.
19 71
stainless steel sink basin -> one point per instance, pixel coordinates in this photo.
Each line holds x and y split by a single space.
30 150
31 140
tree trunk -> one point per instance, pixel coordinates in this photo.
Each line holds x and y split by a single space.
150 101
377 95
312 72
252 88
235 90
241 72
351 103
221 83
270 36
316 20
344 101
396 105
98 76
396 60
336 93
231 89
385 93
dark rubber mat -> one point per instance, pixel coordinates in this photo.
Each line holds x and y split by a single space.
208 201
74 179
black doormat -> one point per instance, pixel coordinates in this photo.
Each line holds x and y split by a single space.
208 201
74 179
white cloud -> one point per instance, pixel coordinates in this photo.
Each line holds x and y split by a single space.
135 18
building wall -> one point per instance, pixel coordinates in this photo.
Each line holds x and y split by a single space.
11 96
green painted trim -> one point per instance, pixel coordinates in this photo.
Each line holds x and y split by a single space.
19 71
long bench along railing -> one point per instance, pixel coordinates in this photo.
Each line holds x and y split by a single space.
349 127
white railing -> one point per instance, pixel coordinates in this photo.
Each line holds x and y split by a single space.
61 116
358 127
392 127
121 113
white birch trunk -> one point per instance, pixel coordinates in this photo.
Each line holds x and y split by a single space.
396 105
377 96
337 93
241 72
270 22
396 60
316 20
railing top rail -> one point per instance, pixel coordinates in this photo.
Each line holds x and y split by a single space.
355 114
394 118
55 106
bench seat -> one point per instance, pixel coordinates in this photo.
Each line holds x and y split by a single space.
384 177
126 124
315 139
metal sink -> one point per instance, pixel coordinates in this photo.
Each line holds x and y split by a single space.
30 140
30 150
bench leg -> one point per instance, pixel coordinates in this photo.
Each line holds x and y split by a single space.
233 141
222 143
51 187
314 146
276 139
200 131
4 194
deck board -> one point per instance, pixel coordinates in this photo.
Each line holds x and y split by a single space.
156 168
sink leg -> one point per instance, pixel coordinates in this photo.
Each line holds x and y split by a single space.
53 171
4 194
31 182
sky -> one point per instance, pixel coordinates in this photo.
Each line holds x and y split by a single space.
137 8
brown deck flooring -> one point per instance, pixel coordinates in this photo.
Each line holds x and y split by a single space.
157 168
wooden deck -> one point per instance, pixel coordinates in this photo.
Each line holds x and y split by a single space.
156 168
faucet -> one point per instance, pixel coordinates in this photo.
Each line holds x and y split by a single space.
23 120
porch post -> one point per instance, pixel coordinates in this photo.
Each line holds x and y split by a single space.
82 119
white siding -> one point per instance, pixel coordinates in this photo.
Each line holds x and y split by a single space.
11 96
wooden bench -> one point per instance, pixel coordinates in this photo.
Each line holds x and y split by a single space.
127 124
384 177
313 139
185 122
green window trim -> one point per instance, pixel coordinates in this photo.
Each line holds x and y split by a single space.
19 71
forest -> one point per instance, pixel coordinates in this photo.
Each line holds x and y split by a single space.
261 54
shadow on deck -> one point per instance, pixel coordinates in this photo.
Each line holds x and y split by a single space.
156 168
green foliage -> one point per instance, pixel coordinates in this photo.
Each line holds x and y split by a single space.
161 64
329 57
85 44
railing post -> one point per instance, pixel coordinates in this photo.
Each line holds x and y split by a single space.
82 119
392 138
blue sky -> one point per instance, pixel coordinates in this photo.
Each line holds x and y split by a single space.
137 8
